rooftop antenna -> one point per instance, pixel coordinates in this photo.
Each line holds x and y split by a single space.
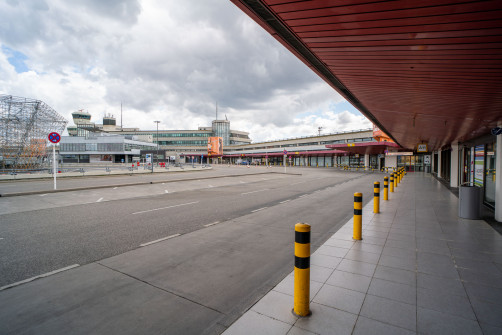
319 130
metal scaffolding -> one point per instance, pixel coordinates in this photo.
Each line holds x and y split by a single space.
24 127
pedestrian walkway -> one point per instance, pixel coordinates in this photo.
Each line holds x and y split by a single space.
419 269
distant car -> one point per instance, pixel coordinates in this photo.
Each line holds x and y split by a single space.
244 163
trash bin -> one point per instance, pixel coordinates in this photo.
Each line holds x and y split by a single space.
469 202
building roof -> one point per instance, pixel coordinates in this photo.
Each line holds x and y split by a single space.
422 71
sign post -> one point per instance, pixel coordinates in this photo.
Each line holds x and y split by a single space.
54 138
284 159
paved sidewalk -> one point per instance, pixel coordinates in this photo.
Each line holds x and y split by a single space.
419 269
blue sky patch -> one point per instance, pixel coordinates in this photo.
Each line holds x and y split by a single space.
16 59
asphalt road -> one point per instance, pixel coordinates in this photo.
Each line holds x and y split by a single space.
39 234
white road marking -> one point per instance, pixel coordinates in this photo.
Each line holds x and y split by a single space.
266 189
282 202
37 277
159 240
166 191
43 195
211 224
115 188
259 209
301 196
158 209
210 185
99 200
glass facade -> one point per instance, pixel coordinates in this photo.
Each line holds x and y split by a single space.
221 129
490 157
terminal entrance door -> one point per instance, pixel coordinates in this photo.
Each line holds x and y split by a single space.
411 163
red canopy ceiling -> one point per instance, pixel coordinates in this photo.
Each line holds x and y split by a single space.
423 71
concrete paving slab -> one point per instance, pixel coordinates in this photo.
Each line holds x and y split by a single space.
93 299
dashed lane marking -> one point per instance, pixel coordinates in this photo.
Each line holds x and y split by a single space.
211 224
43 195
39 276
282 202
99 200
266 189
115 188
166 191
259 209
158 209
159 240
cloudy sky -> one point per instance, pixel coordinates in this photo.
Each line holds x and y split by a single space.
167 60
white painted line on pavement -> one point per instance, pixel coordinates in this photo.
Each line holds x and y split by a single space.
158 209
115 188
210 185
211 224
282 202
43 195
99 200
265 189
166 191
301 196
159 240
259 209
39 276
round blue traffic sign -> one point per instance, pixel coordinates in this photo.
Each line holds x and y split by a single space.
54 137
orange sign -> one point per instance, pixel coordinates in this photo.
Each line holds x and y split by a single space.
215 146
380 136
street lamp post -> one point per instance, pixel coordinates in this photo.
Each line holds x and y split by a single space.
157 122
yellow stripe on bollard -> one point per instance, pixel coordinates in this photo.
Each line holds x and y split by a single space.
376 197
301 299
358 216
386 188
395 180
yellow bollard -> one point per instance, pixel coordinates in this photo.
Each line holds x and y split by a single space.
301 299
358 216
395 180
386 188
376 197
392 182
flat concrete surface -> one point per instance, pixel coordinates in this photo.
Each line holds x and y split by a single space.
419 269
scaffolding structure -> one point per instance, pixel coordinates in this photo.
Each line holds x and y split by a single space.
24 127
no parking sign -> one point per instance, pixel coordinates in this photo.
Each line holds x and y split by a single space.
54 137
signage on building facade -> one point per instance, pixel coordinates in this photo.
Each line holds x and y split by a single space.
427 159
399 154
422 147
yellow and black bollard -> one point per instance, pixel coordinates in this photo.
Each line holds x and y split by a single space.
358 216
395 180
386 188
376 197
301 298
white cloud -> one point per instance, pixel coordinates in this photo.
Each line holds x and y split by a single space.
165 60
